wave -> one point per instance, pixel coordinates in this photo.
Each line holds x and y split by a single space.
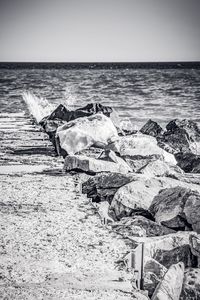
38 107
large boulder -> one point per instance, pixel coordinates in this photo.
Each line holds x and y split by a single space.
180 136
159 168
171 285
103 186
82 133
92 165
177 208
189 162
140 226
139 194
151 128
191 285
142 145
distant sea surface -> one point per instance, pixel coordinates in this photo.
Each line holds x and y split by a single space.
136 93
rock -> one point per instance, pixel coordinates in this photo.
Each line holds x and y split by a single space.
62 113
188 162
195 246
151 128
191 285
168 249
159 168
92 165
170 287
167 207
82 133
102 187
181 136
140 226
177 208
140 193
153 274
142 145
137 162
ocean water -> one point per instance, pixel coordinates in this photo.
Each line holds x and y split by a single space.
137 94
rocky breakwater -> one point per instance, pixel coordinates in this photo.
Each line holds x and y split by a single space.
140 187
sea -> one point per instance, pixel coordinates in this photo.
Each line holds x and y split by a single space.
137 92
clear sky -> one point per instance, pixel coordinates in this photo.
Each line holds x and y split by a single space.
99 30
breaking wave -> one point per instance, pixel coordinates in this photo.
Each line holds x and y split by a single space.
38 107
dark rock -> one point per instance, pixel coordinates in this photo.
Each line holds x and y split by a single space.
153 274
177 208
188 162
181 136
140 226
151 128
103 186
171 285
195 246
191 285
62 113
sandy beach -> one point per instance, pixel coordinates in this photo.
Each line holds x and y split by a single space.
53 243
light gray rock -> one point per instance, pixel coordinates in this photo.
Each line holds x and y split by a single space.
140 144
140 193
82 133
92 165
140 226
191 285
170 287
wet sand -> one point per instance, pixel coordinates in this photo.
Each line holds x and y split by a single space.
53 244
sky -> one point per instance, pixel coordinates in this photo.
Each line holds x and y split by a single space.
99 30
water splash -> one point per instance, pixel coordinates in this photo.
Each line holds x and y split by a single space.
38 107
70 99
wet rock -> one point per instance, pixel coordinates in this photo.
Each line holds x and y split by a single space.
140 145
140 226
140 193
102 187
62 113
188 162
92 165
170 287
151 128
153 274
181 136
191 285
84 132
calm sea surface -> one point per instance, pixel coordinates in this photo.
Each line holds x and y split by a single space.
138 94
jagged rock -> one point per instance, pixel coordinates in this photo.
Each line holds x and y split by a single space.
188 162
153 274
62 113
169 249
177 208
139 194
140 226
181 136
137 162
82 133
151 128
102 187
191 285
142 145
170 287
92 165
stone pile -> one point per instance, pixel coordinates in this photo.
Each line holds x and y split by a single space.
139 178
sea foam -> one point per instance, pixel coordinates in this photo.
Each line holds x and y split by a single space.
38 107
